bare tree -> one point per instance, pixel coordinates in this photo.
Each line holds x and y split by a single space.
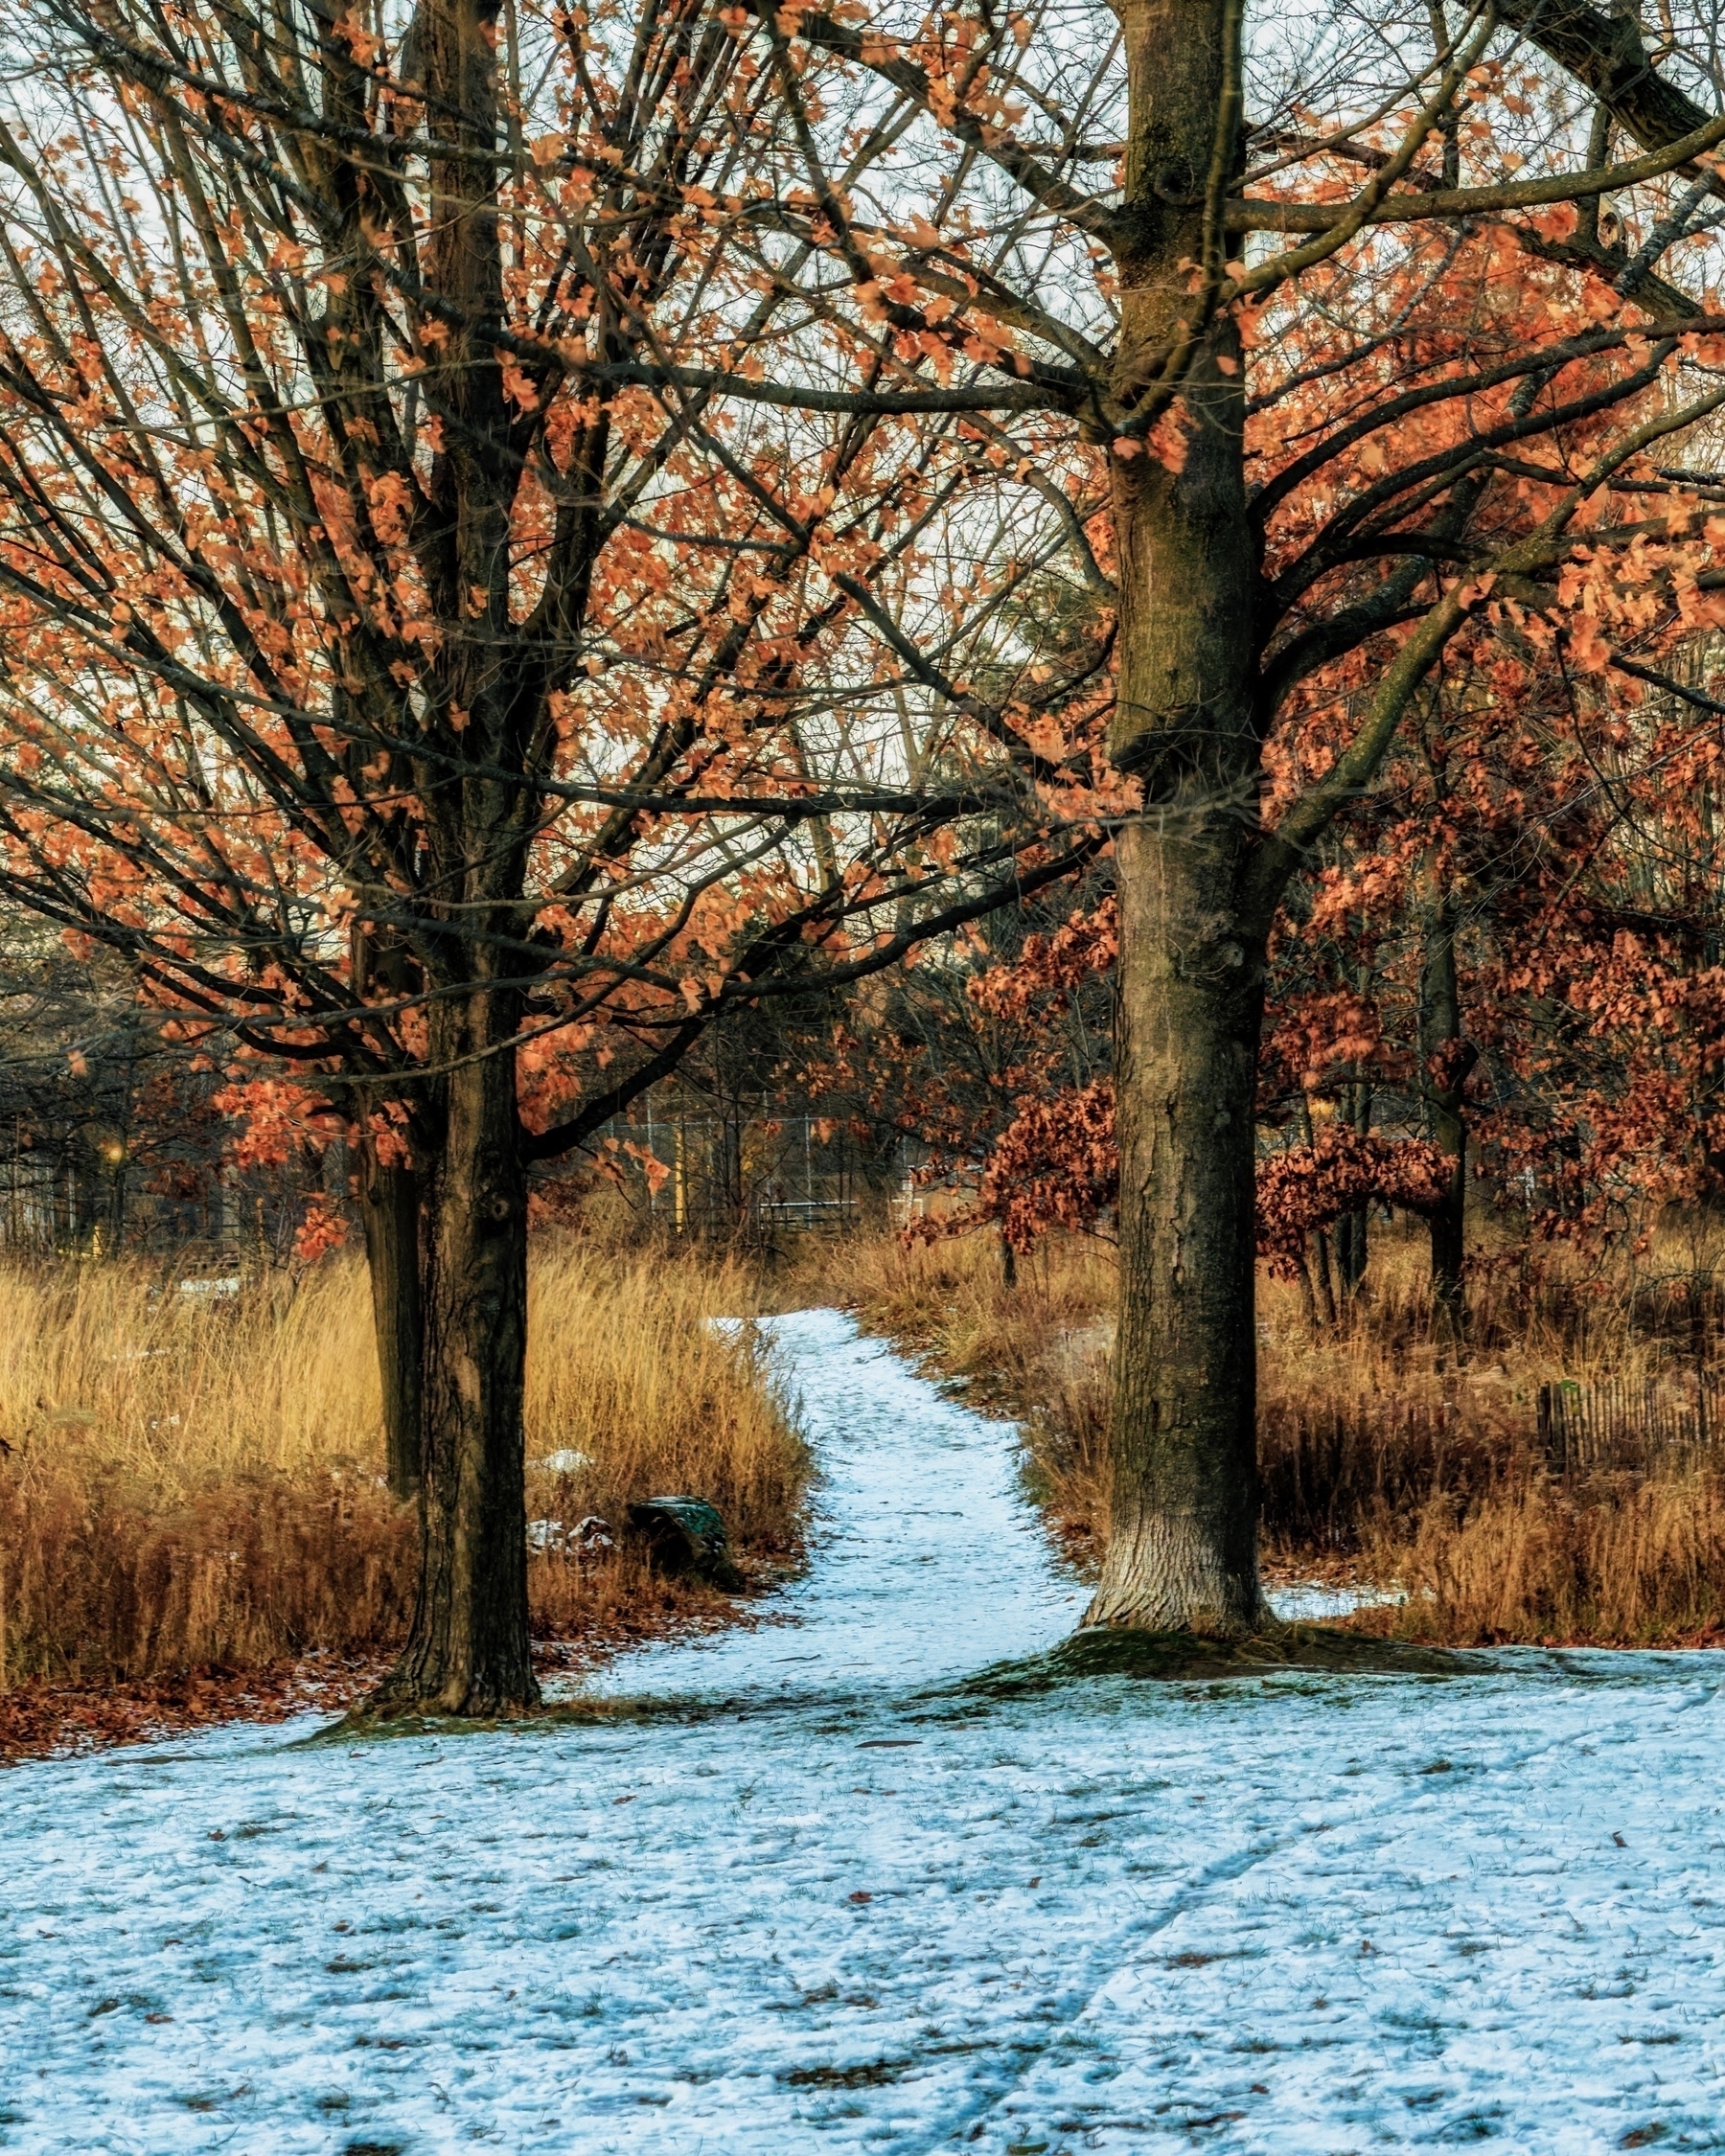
412 671
1386 329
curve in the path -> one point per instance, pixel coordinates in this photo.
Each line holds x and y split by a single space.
928 1562
843 1905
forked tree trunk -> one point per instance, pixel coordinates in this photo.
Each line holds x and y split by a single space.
468 1649
1182 1549
389 1205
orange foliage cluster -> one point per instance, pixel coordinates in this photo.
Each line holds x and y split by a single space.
1056 1167
1311 1186
1056 963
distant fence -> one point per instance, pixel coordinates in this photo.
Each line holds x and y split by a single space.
1322 1470
719 1175
1632 1425
938 1199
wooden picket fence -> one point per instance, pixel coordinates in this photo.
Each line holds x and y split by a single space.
1631 1425
1322 1473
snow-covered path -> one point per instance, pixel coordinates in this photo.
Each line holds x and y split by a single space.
823 1898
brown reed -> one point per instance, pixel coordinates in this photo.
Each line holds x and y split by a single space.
1386 1455
194 1478
1639 1564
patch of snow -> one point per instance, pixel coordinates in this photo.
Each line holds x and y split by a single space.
819 1895
929 1563
564 1462
1313 1602
588 1535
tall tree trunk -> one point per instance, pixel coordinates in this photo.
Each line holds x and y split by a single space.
468 1649
1348 1263
1353 1229
1314 1256
390 1199
1182 1548
389 1205
1445 1059
1308 1301
1319 1259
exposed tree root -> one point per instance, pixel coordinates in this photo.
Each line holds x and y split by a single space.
1180 1656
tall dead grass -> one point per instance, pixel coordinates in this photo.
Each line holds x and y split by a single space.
194 1478
1383 1453
1641 1564
630 1369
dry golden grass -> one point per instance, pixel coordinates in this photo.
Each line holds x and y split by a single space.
627 1367
1384 1454
1642 1565
196 1480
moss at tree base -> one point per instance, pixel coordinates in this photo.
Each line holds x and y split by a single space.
1181 1657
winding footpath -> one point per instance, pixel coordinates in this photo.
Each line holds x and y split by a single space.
822 1895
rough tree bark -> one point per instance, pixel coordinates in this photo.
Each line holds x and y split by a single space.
1353 1230
468 1649
390 1199
389 1205
1182 1551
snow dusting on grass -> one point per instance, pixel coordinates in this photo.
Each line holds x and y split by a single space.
823 1896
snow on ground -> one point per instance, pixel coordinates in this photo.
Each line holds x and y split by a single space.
823 1898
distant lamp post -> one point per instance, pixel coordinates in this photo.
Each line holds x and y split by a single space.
110 1148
